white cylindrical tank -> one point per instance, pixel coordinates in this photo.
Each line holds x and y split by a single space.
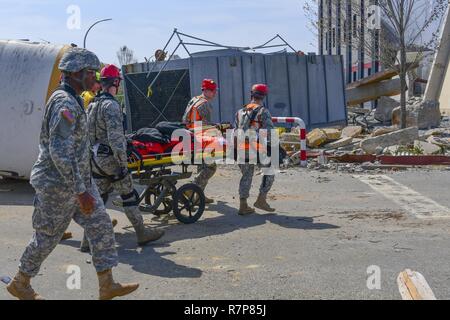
28 75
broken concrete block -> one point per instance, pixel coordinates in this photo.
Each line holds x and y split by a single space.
393 150
295 158
440 142
384 110
427 148
340 143
352 131
404 136
332 134
434 132
383 130
423 114
316 138
290 137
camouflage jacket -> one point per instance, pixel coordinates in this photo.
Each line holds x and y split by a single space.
106 128
64 144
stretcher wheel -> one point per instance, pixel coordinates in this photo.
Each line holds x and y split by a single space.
189 203
150 198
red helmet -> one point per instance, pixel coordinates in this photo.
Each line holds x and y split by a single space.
260 89
209 84
110 71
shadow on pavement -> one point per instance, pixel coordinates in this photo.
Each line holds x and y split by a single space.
230 221
146 259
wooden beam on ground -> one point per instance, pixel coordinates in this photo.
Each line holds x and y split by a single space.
413 286
380 76
372 92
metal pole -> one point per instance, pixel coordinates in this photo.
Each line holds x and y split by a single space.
165 47
85 36
216 44
257 47
286 43
164 66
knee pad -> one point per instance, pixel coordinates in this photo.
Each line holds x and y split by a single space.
131 199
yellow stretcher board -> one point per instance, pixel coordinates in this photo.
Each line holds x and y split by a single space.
168 160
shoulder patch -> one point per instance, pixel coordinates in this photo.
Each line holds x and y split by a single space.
66 114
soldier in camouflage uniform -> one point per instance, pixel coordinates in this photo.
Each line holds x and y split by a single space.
109 160
199 109
64 187
254 116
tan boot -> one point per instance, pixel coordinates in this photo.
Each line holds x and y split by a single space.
20 288
145 234
67 236
108 289
261 203
244 208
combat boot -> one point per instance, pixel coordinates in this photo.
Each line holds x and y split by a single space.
261 203
244 208
67 236
20 288
145 235
108 289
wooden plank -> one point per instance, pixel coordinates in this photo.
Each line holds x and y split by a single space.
413 286
373 91
377 77
380 76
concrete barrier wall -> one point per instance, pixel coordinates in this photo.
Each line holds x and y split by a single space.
309 87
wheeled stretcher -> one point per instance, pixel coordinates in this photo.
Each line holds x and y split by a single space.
153 165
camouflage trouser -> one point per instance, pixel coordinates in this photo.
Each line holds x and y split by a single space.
205 172
54 210
123 188
246 181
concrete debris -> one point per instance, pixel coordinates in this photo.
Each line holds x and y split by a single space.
422 114
435 132
340 143
352 131
392 150
316 138
384 110
332 134
356 149
290 137
441 142
295 159
404 136
383 130
427 148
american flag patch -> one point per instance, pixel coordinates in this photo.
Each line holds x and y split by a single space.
68 115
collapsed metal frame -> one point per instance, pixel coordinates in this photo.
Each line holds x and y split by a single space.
203 43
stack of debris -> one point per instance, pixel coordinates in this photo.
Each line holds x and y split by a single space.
361 149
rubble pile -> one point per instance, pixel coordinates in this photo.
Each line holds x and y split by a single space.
374 147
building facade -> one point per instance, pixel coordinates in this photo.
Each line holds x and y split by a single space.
344 29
